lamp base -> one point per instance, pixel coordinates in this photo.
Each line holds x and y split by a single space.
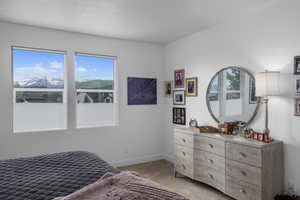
267 130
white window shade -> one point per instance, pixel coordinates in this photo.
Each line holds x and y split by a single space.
267 83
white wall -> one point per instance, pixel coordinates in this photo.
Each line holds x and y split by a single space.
268 39
138 136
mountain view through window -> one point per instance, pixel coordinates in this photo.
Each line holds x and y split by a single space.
39 90
94 79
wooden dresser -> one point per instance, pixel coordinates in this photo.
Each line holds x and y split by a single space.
241 168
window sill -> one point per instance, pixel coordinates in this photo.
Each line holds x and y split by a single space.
41 131
98 126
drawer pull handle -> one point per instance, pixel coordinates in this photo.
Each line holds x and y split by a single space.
242 191
183 166
243 154
211 176
211 146
210 161
243 173
183 153
183 140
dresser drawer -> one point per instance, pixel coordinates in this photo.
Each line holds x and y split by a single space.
184 153
244 154
210 176
184 139
209 160
184 167
210 145
243 172
242 191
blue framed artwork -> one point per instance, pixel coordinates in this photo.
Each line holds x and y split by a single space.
252 93
141 91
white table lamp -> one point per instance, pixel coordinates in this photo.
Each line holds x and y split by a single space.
267 84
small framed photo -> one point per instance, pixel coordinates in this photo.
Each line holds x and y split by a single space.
297 65
168 88
179 77
298 87
179 116
179 97
192 87
297 107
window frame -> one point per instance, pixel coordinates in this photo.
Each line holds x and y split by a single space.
114 91
64 90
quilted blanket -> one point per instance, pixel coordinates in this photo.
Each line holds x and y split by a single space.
49 176
126 186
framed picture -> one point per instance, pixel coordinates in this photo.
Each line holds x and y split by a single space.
192 87
168 88
141 91
297 107
179 116
252 92
298 87
179 97
297 65
179 78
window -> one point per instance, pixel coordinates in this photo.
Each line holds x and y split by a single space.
233 84
96 90
233 102
38 89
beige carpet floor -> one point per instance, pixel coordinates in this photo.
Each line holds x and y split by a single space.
162 172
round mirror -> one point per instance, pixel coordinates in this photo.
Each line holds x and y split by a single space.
231 96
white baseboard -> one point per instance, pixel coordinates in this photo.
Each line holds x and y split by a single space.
138 160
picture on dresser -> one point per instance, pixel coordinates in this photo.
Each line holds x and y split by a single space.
297 107
192 87
168 88
298 87
179 77
179 116
297 65
252 92
179 97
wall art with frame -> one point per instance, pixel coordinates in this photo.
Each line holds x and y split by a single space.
179 78
297 65
179 116
191 87
297 107
141 91
179 97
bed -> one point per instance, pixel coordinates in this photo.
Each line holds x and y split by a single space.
48 176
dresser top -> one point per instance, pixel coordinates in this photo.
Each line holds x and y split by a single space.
230 138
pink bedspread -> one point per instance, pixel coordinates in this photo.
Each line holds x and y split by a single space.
123 186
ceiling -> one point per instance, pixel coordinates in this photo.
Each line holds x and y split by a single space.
159 21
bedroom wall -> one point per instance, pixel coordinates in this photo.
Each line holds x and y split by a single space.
130 142
266 39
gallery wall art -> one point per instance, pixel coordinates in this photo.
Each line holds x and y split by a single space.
179 78
179 97
179 116
297 65
192 87
141 91
168 88
252 92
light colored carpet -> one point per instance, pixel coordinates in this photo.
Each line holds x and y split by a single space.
162 172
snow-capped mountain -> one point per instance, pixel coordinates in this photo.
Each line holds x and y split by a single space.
42 83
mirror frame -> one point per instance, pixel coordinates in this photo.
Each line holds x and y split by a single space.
207 93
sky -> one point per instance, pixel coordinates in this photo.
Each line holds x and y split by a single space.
29 64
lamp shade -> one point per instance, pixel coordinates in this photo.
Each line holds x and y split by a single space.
267 83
